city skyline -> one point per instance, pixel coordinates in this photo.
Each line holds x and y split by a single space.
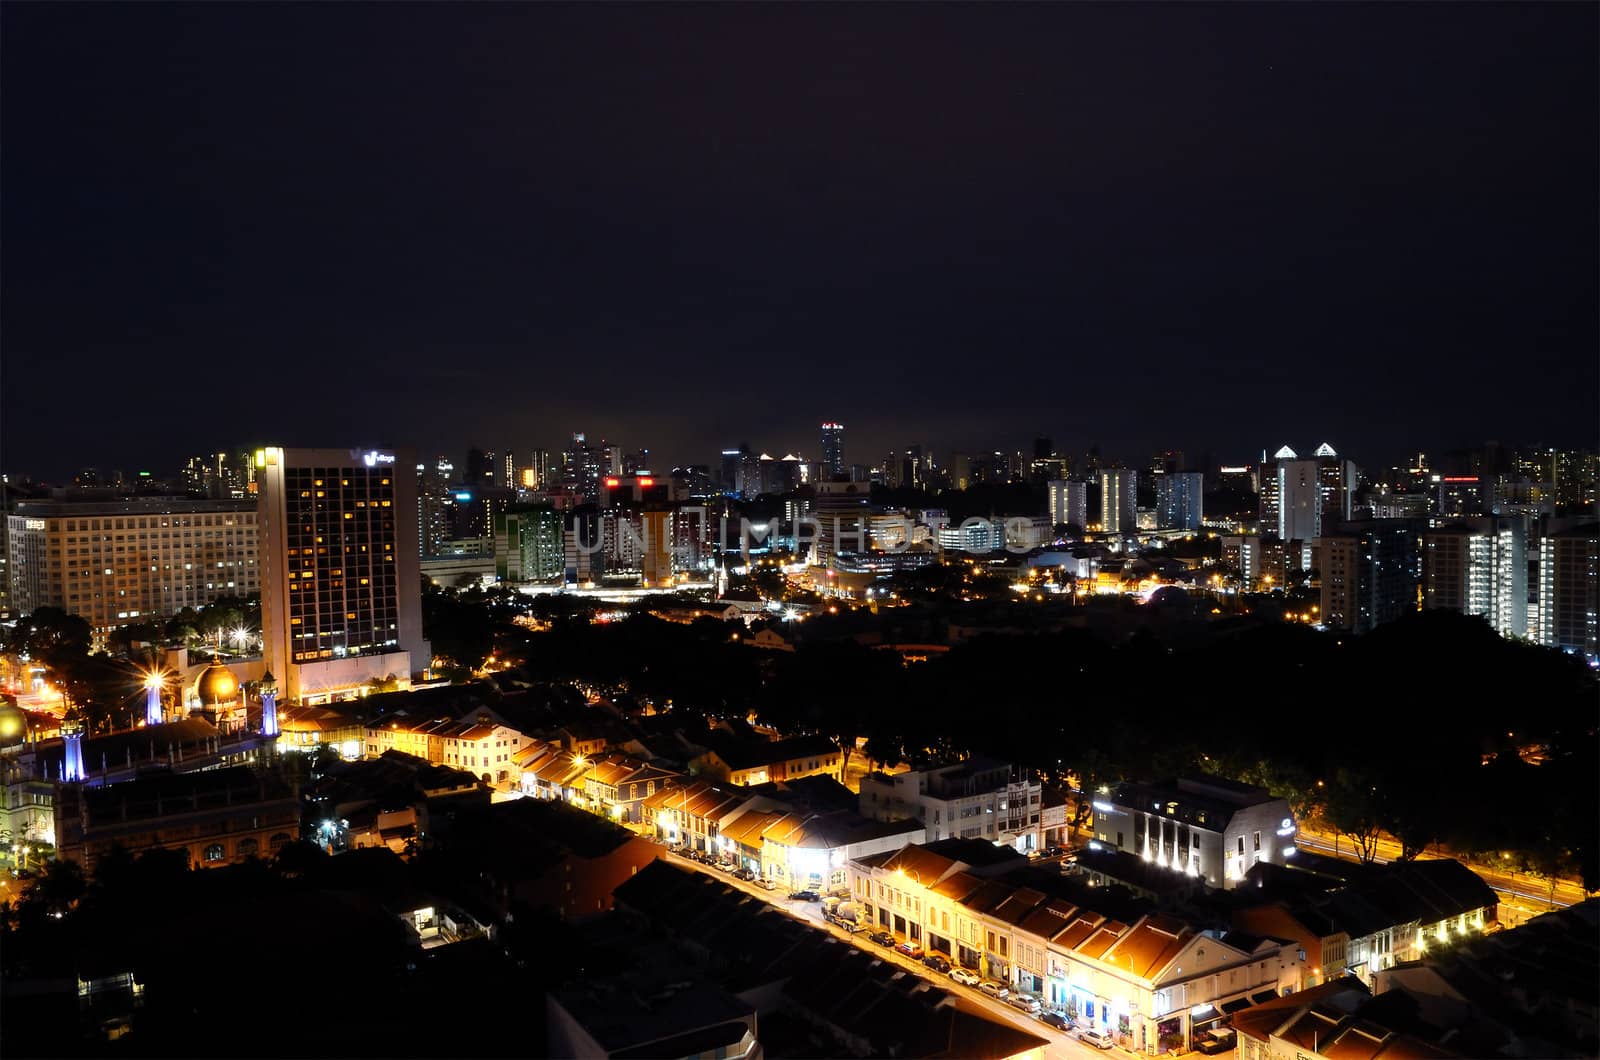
1219 225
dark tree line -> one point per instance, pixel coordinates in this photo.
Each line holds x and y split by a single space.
1434 729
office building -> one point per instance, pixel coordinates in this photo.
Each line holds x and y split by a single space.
1337 479
539 465
436 506
1205 827
1118 501
833 465
840 512
1479 567
1369 571
341 601
1569 590
1299 499
655 561
116 562
529 546
1180 500
1069 503
482 468
582 468
976 536
1462 496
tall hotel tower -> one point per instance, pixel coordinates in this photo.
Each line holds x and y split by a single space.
341 597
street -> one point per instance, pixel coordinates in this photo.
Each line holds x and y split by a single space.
1061 1047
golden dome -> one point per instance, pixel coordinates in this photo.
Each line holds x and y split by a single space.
13 723
216 685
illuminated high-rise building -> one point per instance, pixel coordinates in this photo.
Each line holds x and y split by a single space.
1299 500
1069 502
1180 500
529 545
128 560
833 465
1118 502
1569 591
539 464
341 601
1479 567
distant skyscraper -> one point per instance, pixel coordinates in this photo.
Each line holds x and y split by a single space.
508 475
582 468
1369 573
732 473
960 470
1069 502
1299 499
1180 500
1569 590
833 465
539 463
482 468
435 507
1118 502
341 601
529 546
1337 479
1479 567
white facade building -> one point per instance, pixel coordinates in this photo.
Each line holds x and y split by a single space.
1205 827
979 798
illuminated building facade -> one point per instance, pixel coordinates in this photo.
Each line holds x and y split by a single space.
1569 591
1180 502
1479 567
1069 502
833 465
1369 571
528 546
341 599
1118 501
1205 827
131 560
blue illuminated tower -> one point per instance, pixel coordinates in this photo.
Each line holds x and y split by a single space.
72 752
152 699
269 705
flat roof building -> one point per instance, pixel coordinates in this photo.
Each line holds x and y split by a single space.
341 601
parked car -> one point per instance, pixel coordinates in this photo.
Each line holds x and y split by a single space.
1024 1003
965 976
937 963
882 938
994 989
1095 1037
1055 1019
910 949
803 896
1214 1042
768 885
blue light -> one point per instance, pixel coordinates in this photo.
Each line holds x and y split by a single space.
463 496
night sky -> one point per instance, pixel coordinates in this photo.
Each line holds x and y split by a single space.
1217 228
